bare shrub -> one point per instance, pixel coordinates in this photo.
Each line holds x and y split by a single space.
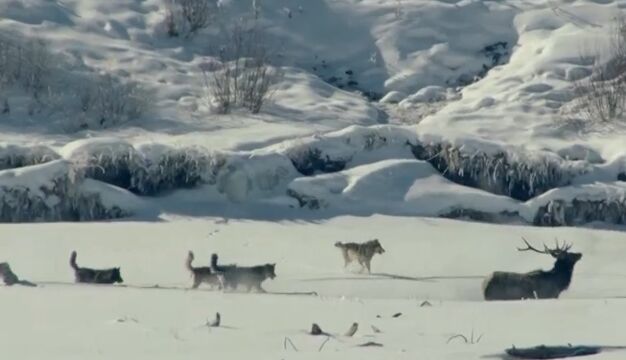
186 17
601 98
471 340
111 101
241 76
26 62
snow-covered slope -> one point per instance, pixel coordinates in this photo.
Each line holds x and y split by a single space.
492 81
404 47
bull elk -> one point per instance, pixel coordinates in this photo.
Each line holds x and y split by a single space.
538 284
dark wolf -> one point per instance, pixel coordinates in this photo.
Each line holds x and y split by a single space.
202 274
95 276
233 276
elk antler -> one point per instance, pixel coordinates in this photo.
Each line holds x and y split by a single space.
546 250
530 247
559 248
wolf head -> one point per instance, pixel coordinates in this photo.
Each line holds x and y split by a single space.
116 275
270 270
375 244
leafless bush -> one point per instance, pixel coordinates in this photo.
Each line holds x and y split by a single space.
110 101
471 339
26 62
241 76
601 98
186 17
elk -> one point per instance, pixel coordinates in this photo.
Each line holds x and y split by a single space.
538 284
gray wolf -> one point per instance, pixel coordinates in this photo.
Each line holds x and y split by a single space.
9 278
95 276
233 276
363 253
202 274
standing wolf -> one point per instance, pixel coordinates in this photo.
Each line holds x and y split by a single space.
232 276
95 276
363 253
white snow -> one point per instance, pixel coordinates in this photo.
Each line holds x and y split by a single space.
402 187
440 261
485 80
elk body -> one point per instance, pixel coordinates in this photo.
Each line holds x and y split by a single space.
538 284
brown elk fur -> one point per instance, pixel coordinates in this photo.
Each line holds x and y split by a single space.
538 284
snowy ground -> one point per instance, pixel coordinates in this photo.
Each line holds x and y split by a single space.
477 100
441 261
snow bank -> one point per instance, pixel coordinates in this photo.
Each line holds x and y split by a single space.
352 146
492 167
401 187
255 175
579 205
411 187
55 192
305 98
149 169
161 168
15 156
516 173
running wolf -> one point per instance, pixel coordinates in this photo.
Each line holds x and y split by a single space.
94 276
363 253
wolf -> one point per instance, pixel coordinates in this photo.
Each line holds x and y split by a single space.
363 253
94 276
232 276
9 278
203 274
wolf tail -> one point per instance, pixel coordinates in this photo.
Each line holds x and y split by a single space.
339 244
189 260
214 267
73 261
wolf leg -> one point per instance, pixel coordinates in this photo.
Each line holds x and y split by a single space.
346 258
367 265
196 283
259 289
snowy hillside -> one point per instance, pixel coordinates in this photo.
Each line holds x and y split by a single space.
134 131
483 91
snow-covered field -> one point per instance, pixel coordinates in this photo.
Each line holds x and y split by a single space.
439 261
389 117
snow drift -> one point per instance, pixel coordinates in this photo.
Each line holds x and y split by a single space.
15 156
579 205
149 169
401 187
56 192
495 168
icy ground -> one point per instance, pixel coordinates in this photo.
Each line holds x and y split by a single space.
439 261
